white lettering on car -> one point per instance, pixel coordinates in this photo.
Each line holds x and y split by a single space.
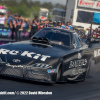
13 52
79 56
4 51
78 71
44 57
97 53
25 53
37 56
78 63
14 65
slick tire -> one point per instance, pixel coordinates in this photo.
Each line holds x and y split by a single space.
87 72
59 73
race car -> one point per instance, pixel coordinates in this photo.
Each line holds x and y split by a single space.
51 55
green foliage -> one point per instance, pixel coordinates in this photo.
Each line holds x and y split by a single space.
26 7
49 17
60 6
47 5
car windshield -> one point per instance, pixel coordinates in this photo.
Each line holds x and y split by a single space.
44 14
55 36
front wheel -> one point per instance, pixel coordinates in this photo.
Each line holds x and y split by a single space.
86 73
59 73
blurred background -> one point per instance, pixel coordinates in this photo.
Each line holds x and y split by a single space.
26 8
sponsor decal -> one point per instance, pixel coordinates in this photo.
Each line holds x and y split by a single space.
25 54
14 66
86 3
78 63
74 71
52 70
78 71
40 65
16 60
43 66
89 4
79 56
98 5
97 53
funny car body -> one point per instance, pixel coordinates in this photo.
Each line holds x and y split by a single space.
51 55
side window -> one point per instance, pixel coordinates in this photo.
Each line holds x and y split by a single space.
77 42
64 38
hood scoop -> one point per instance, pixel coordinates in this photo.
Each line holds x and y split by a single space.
41 40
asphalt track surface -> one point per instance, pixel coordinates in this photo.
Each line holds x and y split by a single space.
87 90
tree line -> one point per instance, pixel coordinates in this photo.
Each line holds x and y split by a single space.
25 7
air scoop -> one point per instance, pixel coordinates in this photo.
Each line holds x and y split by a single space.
41 40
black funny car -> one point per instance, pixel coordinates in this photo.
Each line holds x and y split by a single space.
51 55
